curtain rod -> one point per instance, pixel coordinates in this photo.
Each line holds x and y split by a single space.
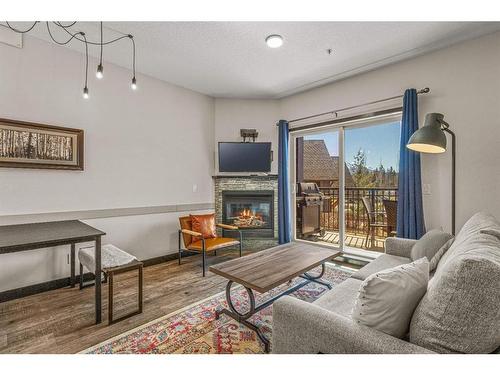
425 90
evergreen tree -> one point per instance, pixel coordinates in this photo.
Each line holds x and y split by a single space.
361 175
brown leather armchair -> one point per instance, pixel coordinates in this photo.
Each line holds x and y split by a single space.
194 241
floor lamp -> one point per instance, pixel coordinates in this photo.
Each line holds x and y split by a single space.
431 139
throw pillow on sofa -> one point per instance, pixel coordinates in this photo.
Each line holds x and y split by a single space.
429 244
437 257
387 299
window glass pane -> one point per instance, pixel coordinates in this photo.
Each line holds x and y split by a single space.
372 157
317 162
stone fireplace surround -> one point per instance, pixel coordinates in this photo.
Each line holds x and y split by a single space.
246 183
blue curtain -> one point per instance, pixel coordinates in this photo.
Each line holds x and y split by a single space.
410 215
284 226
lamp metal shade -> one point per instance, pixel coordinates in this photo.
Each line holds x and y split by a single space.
430 138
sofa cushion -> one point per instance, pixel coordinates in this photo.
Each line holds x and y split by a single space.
387 299
383 262
341 298
460 311
477 223
491 232
437 257
429 244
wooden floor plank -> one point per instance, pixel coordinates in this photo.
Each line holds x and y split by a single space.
62 321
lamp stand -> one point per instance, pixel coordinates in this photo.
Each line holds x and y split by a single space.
453 164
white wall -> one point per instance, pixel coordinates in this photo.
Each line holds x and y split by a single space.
149 147
231 115
464 81
143 148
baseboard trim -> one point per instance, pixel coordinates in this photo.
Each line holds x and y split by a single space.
46 286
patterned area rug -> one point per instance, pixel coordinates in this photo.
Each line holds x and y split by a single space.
194 329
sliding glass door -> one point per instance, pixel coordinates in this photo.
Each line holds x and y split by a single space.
317 162
371 187
355 168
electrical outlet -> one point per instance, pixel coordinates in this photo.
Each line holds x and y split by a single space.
426 189
195 188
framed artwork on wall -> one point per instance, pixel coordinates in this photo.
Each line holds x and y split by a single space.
31 145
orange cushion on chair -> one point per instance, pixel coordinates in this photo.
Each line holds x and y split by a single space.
213 244
204 224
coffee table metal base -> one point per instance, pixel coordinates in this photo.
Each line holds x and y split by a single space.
243 317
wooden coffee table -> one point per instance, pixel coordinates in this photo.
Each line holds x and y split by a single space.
269 269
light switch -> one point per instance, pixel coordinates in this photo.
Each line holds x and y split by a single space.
195 188
426 189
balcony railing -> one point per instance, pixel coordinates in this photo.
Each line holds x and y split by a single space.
356 219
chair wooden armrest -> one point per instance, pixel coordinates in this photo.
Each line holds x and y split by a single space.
191 232
228 227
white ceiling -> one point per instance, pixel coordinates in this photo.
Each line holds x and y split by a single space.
231 59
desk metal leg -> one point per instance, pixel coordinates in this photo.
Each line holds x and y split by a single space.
97 273
72 260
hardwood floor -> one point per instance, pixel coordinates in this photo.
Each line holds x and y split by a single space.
62 320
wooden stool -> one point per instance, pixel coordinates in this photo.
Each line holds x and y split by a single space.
111 258
110 272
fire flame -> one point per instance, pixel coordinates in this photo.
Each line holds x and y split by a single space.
247 213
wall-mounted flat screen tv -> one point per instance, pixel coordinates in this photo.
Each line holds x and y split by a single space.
244 156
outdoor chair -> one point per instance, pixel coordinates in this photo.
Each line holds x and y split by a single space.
374 221
391 209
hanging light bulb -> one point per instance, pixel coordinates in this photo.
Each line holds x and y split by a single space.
85 93
133 85
100 71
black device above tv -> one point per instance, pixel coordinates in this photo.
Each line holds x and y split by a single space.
245 157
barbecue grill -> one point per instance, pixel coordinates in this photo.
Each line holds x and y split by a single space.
309 202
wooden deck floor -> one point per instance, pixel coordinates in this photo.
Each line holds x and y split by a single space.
355 240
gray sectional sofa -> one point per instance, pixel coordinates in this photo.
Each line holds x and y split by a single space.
460 313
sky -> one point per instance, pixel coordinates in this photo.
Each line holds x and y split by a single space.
380 144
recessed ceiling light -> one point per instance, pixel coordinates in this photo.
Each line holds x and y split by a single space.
274 41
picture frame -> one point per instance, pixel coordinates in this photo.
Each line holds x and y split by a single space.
40 146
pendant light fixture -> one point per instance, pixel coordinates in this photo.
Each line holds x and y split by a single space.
85 89
81 37
100 70
133 85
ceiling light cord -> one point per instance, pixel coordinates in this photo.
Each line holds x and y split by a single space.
59 23
73 36
21 31
97 43
100 60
